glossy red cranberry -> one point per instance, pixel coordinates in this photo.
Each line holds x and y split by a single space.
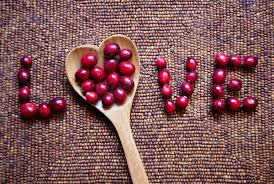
250 62
28 110
192 76
161 62
113 80
250 103
221 60
169 106
81 75
127 83
89 60
126 68
164 76
125 54
233 103
235 61
92 97
111 65
108 100
26 61
187 88
98 73
120 95
101 88
23 76
111 50
58 104
217 91
88 85
219 76
234 84
44 110
182 102
167 91
24 93
218 105
191 64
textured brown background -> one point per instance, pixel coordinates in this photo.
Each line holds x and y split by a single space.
81 146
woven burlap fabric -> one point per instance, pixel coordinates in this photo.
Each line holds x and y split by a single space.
81 145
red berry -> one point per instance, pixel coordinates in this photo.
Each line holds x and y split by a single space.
28 110
125 54
88 85
161 62
250 62
182 102
89 60
108 100
23 76
187 88
81 75
234 84
126 68
111 49
221 60
127 83
24 93
192 76
44 110
250 103
233 103
169 106
101 88
167 91
92 97
217 91
58 104
191 64
218 105
111 65
26 61
164 76
119 95
113 80
219 76
235 61
98 73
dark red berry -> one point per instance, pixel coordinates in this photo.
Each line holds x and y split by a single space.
28 110
161 62
191 64
187 88
234 84
120 95
217 91
44 110
250 103
108 100
111 65
98 73
92 97
101 88
192 76
235 61
113 80
125 54
219 76
182 102
221 60
169 106
89 60
164 76
111 49
88 85
218 105
233 103
81 75
250 62
126 68
23 76
24 93
26 61
58 104
167 91
127 83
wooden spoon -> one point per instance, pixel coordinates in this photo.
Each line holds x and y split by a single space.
119 115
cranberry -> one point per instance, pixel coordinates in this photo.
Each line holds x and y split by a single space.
92 97
164 76
167 91
250 62
191 63
234 84
23 76
126 68
98 73
170 106
125 54
192 76
235 61
24 93
58 104
110 65
182 102
250 103
28 110
119 95
113 80
161 62
233 103
108 100
111 49
101 88
81 75
26 61
219 76
218 105
127 83
89 60
44 110
221 60
187 88
88 85
217 91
